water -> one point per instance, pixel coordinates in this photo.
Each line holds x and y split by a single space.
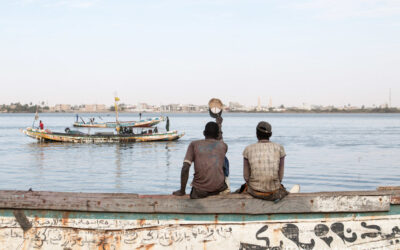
325 152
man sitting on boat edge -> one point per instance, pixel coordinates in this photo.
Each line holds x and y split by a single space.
263 166
208 156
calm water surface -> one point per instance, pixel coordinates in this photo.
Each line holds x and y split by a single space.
324 152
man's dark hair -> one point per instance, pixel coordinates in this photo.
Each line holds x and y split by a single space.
211 130
263 135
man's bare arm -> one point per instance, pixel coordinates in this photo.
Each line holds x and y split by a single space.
246 170
281 168
184 179
219 120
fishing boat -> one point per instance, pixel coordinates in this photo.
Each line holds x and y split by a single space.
142 131
327 220
149 122
100 137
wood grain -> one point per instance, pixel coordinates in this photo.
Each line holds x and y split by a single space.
363 201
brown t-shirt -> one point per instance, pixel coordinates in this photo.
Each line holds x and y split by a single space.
208 156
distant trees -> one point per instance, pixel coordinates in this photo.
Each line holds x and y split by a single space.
22 108
121 107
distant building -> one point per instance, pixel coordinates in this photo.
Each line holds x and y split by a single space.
170 108
235 106
131 108
306 106
190 108
93 108
270 103
259 104
62 108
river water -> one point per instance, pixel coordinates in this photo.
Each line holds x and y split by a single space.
325 152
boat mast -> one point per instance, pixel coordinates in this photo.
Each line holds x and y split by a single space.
116 112
36 116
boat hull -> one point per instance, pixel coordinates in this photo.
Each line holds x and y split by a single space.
48 136
107 226
135 124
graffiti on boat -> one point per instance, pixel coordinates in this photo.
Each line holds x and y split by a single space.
72 233
292 232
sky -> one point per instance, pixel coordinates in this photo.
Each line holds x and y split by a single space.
326 52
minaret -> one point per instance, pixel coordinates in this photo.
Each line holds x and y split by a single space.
259 104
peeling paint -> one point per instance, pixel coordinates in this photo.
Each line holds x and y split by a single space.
71 230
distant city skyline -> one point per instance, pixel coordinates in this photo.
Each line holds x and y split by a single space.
150 107
259 101
293 52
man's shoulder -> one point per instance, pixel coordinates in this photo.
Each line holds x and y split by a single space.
208 142
261 145
276 144
253 145
196 142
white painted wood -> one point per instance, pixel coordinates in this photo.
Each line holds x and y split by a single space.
368 232
223 204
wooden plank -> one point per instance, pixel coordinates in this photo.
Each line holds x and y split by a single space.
339 193
224 204
388 188
395 200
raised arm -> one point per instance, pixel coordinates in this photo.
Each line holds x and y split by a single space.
219 121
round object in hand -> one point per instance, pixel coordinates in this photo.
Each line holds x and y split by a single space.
215 107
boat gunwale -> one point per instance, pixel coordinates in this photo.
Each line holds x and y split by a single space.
83 138
332 202
140 124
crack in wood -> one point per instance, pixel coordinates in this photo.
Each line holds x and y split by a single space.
22 220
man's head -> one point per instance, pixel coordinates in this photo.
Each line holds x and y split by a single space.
263 130
211 130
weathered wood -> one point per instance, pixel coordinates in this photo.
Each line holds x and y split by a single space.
22 220
125 231
366 201
388 188
343 193
395 200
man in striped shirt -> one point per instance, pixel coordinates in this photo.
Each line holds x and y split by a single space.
263 166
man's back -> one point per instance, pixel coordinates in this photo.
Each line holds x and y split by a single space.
208 156
264 158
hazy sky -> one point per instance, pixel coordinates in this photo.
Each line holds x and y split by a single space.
317 52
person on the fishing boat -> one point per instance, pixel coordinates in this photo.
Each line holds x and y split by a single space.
208 156
263 166
41 125
167 124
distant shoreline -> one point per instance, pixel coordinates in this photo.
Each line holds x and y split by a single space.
391 111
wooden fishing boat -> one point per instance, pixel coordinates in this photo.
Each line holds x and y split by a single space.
142 123
100 137
334 220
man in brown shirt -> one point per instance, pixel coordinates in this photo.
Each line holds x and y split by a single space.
208 156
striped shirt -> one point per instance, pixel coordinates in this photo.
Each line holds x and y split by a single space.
264 158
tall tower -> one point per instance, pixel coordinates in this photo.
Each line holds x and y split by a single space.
390 98
259 104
